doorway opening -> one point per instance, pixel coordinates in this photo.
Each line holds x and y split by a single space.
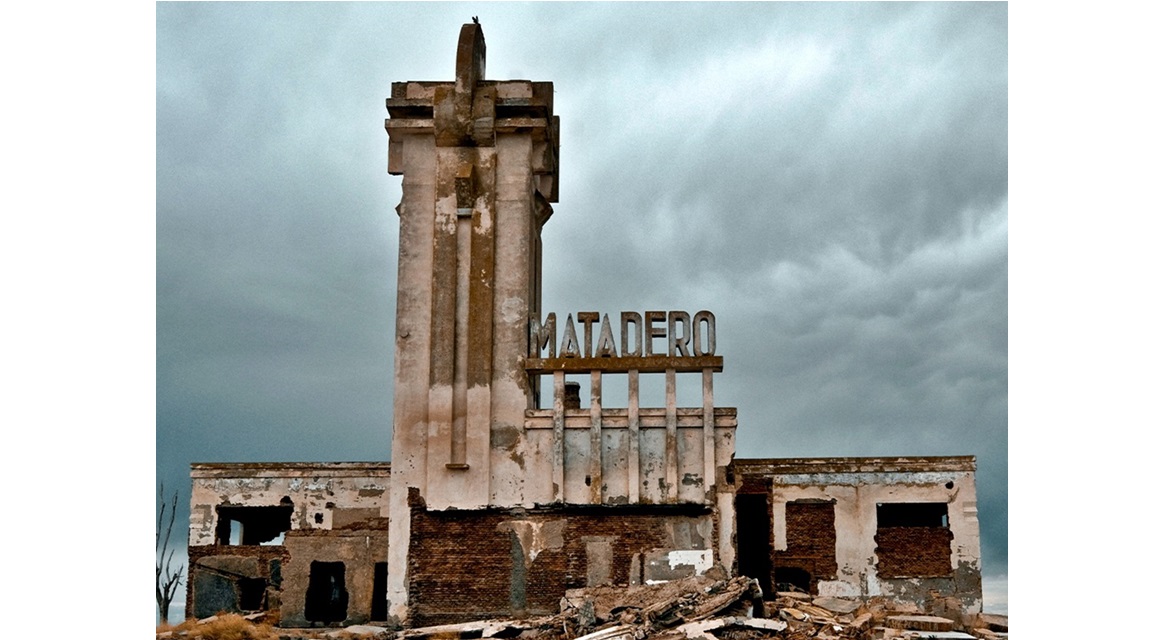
326 600
380 592
753 535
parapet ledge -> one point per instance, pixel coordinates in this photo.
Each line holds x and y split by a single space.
906 464
514 98
616 418
290 469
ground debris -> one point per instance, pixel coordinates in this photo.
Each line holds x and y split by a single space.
700 608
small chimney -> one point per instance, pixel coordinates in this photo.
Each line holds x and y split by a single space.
571 395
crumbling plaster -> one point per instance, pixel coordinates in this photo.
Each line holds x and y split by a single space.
856 486
359 550
314 489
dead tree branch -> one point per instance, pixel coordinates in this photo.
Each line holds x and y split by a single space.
167 579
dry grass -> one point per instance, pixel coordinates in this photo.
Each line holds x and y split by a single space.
225 626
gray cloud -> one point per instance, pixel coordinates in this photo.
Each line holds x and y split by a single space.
829 179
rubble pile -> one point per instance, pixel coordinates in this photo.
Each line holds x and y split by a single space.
699 608
735 609
703 608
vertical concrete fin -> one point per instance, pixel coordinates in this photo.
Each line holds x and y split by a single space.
709 431
633 436
671 446
558 436
596 451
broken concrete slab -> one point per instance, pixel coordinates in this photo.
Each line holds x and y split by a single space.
359 631
836 605
481 628
860 622
938 635
761 623
920 623
795 614
665 604
818 614
992 621
619 632
699 629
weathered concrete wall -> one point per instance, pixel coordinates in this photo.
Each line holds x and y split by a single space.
619 452
320 497
317 491
467 565
358 549
480 162
908 566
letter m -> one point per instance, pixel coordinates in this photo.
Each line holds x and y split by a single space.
541 336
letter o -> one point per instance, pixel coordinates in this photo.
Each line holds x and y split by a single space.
698 344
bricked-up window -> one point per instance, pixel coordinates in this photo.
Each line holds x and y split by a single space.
810 528
913 540
252 525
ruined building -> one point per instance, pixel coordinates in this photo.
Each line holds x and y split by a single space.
495 502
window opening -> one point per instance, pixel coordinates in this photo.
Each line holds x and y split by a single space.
251 593
252 525
912 514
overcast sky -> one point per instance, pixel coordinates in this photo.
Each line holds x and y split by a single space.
829 179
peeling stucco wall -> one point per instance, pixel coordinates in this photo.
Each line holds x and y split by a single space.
339 498
358 549
315 490
854 486
479 160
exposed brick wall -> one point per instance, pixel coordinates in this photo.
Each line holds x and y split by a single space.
635 532
457 562
465 565
920 552
811 539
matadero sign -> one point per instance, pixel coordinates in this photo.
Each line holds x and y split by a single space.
652 341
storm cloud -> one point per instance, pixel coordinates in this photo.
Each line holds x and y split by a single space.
829 179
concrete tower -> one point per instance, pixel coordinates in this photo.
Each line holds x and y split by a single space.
479 160
492 494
